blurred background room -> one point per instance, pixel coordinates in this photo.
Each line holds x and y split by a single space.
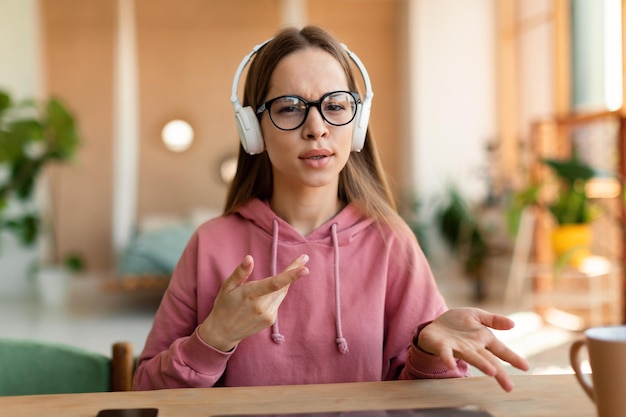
493 118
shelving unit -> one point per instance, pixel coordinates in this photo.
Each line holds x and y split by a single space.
579 298
593 293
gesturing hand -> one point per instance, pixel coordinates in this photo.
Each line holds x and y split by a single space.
464 333
243 308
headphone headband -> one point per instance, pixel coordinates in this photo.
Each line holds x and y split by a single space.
242 65
248 124
369 93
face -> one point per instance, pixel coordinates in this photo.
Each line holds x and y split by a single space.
313 154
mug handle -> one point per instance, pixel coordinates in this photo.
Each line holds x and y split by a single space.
575 360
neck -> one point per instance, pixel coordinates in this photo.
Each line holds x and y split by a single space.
306 213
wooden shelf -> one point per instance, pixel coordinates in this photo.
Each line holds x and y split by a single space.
136 283
594 297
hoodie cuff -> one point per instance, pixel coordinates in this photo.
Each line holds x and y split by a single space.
416 334
421 364
204 358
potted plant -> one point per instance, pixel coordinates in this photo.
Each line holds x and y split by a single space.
461 230
570 207
32 136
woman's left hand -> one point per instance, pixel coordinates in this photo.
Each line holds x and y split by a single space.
464 333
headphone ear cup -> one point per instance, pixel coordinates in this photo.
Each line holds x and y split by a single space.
249 130
360 126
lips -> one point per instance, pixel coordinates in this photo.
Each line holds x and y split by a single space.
316 154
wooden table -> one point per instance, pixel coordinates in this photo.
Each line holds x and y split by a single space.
533 396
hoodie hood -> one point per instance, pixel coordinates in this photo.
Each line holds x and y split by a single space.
336 232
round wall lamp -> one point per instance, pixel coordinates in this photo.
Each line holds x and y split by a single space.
177 135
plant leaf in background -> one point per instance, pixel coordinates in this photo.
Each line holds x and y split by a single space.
572 205
519 201
571 170
32 135
61 131
462 232
5 101
25 228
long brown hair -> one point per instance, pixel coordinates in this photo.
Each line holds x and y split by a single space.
362 181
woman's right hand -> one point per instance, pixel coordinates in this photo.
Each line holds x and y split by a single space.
242 308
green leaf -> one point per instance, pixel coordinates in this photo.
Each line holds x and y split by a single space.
572 205
571 170
25 228
31 136
5 101
518 202
61 126
25 130
75 262
23 177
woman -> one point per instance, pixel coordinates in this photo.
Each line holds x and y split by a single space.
310 276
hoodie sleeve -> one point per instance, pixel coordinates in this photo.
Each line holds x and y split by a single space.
174 356
423 365
413 301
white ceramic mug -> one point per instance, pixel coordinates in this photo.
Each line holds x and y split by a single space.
606 386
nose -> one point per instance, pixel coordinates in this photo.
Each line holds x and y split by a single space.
315 126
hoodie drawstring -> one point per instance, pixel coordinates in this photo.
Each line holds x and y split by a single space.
342 344
277 338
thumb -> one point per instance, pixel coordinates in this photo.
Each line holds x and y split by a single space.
240 274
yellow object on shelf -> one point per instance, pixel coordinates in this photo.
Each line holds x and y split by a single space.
572 242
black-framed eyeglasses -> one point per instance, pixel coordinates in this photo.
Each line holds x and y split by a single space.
337 108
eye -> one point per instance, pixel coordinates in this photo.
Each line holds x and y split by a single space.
335 106
338 102
288 105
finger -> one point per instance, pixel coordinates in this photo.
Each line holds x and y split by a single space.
503 352
447 356
495 321
480 361
240 274
292 273
496 370
505 381
299 262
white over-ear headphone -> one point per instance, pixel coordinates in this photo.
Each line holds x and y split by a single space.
248 124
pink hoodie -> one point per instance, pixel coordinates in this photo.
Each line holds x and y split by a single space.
351 319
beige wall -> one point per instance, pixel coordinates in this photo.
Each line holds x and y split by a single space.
187 53
78 52
187 57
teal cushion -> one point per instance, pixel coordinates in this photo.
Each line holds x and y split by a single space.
155 252
33 367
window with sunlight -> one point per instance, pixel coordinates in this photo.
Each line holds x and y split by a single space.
596 55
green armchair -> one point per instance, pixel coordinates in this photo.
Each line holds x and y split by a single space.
29 367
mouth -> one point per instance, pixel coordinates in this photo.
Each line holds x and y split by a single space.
316 154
